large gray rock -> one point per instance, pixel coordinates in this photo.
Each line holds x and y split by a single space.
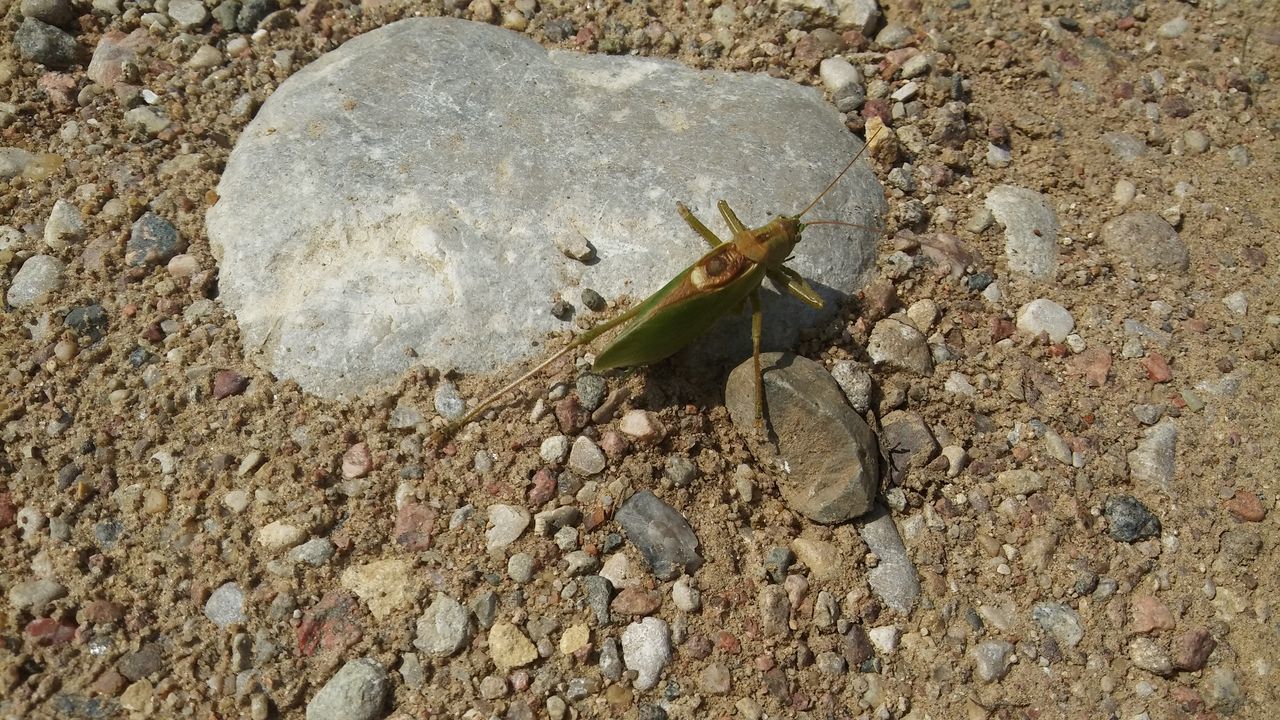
409 190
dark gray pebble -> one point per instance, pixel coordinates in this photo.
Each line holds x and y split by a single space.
599 592
590 391
777 562
593 300
561 310
108 533
225 15
46 44
53 12
90 320
252 12
152 241
1130 520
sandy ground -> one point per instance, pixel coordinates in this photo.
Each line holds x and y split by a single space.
154 481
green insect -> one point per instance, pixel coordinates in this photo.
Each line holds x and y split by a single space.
719 282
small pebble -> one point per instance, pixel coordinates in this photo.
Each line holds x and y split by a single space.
593 300
1130 520
506 524
554 449
63 227
225 605
448 402
509 648
1148 655
992 659
38 276
45 44
641 425
646 649
205 57
586 458
520 567
1045 316
680 470
1174 28
686 597
1237 302
358 691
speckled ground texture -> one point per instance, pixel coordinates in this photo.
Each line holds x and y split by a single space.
182 535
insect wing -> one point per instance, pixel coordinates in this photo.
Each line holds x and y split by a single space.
678 313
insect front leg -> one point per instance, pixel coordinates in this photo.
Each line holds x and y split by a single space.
797 286
697 225
757 321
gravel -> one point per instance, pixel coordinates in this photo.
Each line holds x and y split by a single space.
1095 508
444 628
225 605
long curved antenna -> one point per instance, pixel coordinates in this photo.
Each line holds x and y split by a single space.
835 180
837 222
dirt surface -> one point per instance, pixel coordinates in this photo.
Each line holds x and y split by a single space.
154 481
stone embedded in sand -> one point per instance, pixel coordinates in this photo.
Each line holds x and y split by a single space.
426 169
646 649
509 647
1146 240
1152 461
358 691
894 578
1030 230
827 452
444 627
661 534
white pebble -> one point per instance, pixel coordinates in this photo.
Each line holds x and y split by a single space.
1237 303
586 458
885 639
838 75
686 596
64 226
1124 193
280 534
554 449
646 649
1045 316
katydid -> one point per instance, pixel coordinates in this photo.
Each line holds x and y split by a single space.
720 281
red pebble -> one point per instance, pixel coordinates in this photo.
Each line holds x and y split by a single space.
415 523
544 487
47 631
1157 368
1001 328
727 642
1246 506
1094 364
227 383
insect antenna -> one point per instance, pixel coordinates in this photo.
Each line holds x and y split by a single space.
836 179
837 222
